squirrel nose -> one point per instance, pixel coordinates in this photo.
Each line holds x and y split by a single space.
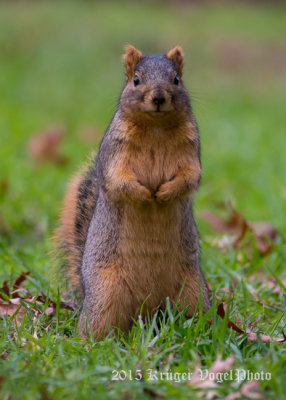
158 100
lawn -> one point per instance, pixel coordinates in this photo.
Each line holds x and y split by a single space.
61 69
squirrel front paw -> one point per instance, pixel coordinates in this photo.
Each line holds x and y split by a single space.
142 193
165 192
128 189
136 191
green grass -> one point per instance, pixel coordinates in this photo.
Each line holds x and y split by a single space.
60 64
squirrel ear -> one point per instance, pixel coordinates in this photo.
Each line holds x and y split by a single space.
131 57
177 56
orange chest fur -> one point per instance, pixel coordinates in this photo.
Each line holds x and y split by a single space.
156 159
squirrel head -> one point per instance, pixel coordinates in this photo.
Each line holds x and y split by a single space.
154 89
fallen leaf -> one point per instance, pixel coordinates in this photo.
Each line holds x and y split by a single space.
10 309
268 282
239 232
4 354
216 222
207 386
247 390
272 284
64 305
222 365
12 301
252 337
46 146
5 289
208 381
233 396
265 229
20 280
230 324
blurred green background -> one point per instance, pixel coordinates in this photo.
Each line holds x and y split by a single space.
61 65
61 71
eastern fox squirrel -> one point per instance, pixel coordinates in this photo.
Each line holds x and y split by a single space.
127 224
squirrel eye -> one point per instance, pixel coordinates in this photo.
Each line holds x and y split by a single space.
176 80
136 80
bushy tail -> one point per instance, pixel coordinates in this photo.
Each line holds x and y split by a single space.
78 208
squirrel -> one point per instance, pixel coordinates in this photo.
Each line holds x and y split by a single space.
127 225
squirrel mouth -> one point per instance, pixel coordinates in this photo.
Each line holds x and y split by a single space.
157 111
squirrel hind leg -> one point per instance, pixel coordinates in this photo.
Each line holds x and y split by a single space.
108 303
193 290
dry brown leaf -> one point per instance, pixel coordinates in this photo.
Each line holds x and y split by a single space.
272 284
10 309
5 289
222 365
207 385
208 381
252 337
265 229
46 146
10 303
268 282
4 354
20 280
230 324
233 396
218 224
249 390
239 232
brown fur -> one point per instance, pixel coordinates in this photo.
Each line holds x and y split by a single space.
131 57
168 175
137 243
78 205
67 228
177 56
